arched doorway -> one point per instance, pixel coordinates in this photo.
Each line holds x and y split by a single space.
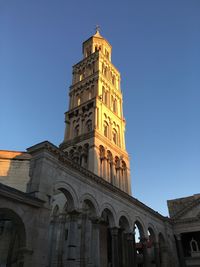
12 239
140 245
124 231
89 239
62 228
106 241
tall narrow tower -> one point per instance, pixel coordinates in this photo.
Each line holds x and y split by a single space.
95 126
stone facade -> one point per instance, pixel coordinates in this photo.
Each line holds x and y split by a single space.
185 215
72 205
95 125
14 169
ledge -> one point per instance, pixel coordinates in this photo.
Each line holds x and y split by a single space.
17 195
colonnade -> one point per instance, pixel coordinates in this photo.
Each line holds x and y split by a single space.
82 239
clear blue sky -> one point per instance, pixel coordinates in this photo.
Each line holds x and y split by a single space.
156 47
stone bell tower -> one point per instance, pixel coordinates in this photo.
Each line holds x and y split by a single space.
95 126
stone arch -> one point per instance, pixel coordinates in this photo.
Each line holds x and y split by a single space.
12 215
69 193
55 210
13 238
124 223
153 231
126 215
106 129
92 200
111 213
138 221
140 234
61 226
152 245
88 125
123 232
115 136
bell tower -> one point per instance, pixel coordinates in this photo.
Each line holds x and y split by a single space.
95 126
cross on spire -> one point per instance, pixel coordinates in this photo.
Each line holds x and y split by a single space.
97 28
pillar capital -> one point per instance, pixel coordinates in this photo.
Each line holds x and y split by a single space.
73 214
96 220
114 231
62 217
129 236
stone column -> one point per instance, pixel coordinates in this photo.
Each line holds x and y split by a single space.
156 252
115 251
134 250
144 249
130 249
52 239
180 250
58 261
72 239
95 242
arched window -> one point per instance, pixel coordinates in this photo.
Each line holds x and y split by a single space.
105 71
106 53
79 101
115 105
101 152
89 95
102 68
105 95
194 245
105 129
113 79
114 136
88 126
76 131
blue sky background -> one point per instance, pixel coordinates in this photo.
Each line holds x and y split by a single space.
156 47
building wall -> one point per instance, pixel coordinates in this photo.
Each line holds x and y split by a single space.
14 169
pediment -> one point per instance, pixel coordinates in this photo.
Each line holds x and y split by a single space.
191 211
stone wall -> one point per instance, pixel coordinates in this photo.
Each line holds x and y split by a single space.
14 169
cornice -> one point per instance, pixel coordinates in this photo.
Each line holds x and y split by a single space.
83 107
63 159
91 57
85 82
186 220
19 196
76 140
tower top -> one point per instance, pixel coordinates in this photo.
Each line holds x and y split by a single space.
97 43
